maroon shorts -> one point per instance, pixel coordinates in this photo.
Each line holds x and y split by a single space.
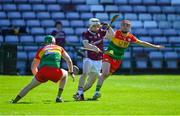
49 73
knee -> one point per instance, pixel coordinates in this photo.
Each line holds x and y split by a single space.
64 73
105 74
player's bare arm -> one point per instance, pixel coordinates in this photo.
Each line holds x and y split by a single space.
90 46
69 62
110 33
34 66
147 44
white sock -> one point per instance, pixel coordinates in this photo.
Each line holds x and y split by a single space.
96 92
80 92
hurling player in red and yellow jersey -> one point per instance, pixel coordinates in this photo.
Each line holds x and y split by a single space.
46 66
113 56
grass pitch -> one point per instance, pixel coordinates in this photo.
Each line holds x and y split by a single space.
121 94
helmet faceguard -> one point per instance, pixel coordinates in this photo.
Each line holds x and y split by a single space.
94 21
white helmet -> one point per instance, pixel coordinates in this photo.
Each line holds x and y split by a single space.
94 21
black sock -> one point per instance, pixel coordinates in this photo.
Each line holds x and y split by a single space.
60 92
17 99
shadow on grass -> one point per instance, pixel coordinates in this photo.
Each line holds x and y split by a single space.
9 102
47 101
24 103
68 101
85 100
90 99
51 101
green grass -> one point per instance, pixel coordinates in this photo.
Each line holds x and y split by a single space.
121 94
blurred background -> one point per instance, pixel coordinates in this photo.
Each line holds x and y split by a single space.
24 23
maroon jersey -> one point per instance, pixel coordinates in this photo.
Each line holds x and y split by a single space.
97 40
60 40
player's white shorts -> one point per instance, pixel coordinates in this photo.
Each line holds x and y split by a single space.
92 65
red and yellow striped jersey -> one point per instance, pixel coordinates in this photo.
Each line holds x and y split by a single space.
50 55
119 43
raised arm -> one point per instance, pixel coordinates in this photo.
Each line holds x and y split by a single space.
110 33
147 44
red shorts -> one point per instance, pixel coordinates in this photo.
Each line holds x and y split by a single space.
115 64
49 73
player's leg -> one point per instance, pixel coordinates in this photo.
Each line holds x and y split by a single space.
109 66
86 69
105 73
90 81
94 74
26 89
62 84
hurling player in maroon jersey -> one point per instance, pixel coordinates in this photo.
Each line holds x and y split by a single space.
92 39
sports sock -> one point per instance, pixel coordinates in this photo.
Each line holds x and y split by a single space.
80 90
98 87
17 99
60 92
